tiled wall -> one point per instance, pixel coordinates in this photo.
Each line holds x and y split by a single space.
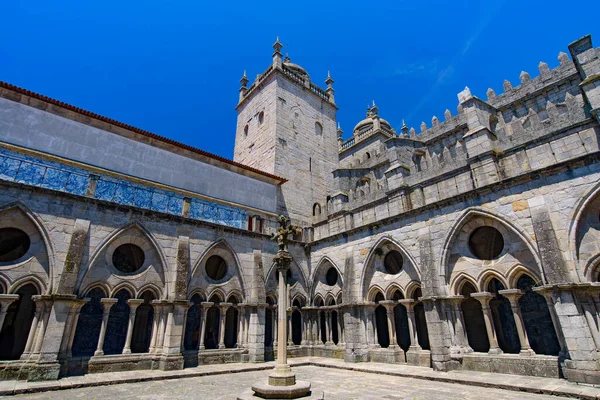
21 168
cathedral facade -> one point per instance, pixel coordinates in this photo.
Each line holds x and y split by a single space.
473 244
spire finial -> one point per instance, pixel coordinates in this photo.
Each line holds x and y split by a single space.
244 80
277 46
329 81
404 128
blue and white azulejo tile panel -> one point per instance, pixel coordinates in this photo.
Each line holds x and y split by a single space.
21 168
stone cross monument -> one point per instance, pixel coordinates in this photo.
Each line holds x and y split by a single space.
282 382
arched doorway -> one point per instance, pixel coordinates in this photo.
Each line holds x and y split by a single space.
474 322
504 322
537 319
323 320
192 325
116 328
89 323
142 327
381 323
17 324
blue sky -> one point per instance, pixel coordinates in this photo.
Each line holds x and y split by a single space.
173 67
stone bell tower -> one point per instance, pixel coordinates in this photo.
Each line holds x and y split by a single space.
287 126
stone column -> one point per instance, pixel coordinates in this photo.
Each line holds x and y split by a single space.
303 334
319 336
75 320
484 298
460 332
412 324
205 307
107 304
39 308
240 324
591 313
274 327
555 322
513 296
39 337
339 327
290 342
5 301
247 325
342 327
223 307
133 305
155 324
389 311
328 328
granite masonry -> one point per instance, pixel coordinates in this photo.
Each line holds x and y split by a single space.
473 244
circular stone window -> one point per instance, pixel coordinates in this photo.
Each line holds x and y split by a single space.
332 276
128 258
486 243
14 244
393 262
216 268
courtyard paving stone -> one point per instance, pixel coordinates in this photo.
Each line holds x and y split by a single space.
341 379
327 383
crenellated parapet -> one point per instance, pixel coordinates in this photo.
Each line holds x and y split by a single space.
539 124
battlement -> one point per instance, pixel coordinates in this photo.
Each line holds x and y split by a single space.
544 121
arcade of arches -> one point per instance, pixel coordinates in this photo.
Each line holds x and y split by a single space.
497 312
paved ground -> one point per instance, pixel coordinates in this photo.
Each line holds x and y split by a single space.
335 384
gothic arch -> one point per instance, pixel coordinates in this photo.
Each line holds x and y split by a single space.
236 295
272 296
391 289
44 235
576 215
373 291
585 261
33 280
325 261
516 272
300 298
321 285
219 294
486 276
411 288
149 287
96 285
128 287
272 271
495 220
373 263
458 281
329 300
112 240
223 249
198 292
318 300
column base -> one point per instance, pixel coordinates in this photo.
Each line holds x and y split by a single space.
126 351
495 350
527 352
282 375
221 346
99 353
